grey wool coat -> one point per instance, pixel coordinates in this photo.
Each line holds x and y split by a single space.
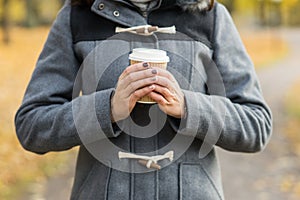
67 101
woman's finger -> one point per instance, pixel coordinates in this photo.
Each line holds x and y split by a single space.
136 95
168 94
164 82
158 98
165 73
137 76
133 86
134 68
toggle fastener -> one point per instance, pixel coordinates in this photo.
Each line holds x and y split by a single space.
148 161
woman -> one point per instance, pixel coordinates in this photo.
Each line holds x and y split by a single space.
208 96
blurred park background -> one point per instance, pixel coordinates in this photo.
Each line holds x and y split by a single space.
269 29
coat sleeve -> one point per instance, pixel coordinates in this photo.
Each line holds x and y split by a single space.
50 119
239 120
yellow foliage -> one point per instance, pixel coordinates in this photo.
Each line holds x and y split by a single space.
287 184
289 3
297 190
264 47
290 185
292 100
17 10
18 167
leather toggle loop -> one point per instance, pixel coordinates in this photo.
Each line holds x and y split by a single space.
148 161
146 30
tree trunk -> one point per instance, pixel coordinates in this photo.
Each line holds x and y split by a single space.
32 13
262 12
29 17
5 24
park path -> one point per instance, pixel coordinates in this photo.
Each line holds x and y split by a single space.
261 176
268 175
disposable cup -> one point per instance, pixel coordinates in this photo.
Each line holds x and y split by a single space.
154 57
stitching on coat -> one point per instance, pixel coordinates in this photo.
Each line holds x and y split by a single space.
205 172
193 64
214 28
157 172
108 180
84 184
131 147
211 181
180 182
91 174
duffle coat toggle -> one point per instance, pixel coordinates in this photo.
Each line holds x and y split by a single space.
148 161
147 30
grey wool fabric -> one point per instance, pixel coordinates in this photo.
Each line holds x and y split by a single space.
224 103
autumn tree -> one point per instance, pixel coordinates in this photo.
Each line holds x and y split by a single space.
32 12
4 21
262 5
229 5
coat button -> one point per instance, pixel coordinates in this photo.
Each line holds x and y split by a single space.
101 6
116 13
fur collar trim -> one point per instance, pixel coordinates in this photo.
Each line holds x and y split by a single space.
188 5
194 5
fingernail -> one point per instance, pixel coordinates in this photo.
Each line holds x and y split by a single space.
154 71
153 79
145 65
151 87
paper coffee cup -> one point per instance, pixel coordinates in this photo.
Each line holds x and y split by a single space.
154 57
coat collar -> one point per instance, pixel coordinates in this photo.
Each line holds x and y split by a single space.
112 10
191 5
120 14
194 5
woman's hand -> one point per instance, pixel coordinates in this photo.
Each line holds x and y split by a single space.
135 82
168 94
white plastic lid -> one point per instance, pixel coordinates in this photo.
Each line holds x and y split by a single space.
149 55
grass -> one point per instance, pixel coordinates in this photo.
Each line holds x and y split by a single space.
18 168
